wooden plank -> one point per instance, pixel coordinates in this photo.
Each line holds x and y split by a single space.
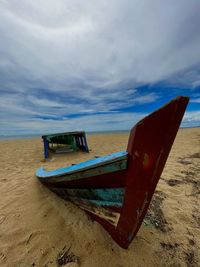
87 165
108 180
96 171
46 148
106 195
107 210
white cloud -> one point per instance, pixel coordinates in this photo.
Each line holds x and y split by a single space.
67 57
22 107
89 123
195 100
191 118
97 43
101 122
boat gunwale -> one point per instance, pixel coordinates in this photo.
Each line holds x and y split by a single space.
41 173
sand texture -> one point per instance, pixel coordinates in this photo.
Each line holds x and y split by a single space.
37 227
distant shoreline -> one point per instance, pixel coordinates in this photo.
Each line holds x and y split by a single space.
31 136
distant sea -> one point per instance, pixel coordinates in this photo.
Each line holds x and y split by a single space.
108 132
30 136
24 136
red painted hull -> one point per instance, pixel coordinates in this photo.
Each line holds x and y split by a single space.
149 145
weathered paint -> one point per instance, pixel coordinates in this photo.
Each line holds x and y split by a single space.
46 148
83 166
105 213
98 203
93 172
111 217
72 139
100 197
111 180
153 136
105 203
149 145
104 194
85 143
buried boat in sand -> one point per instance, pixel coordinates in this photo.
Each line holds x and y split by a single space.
116 190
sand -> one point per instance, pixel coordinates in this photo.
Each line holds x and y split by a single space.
36 225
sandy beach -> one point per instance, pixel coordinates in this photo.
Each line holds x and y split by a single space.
36 225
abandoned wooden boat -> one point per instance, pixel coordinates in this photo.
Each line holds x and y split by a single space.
116 190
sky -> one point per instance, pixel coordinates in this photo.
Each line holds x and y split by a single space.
95 65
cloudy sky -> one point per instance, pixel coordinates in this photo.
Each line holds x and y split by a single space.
95 65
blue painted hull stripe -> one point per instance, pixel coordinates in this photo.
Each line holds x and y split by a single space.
93 172
97 162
